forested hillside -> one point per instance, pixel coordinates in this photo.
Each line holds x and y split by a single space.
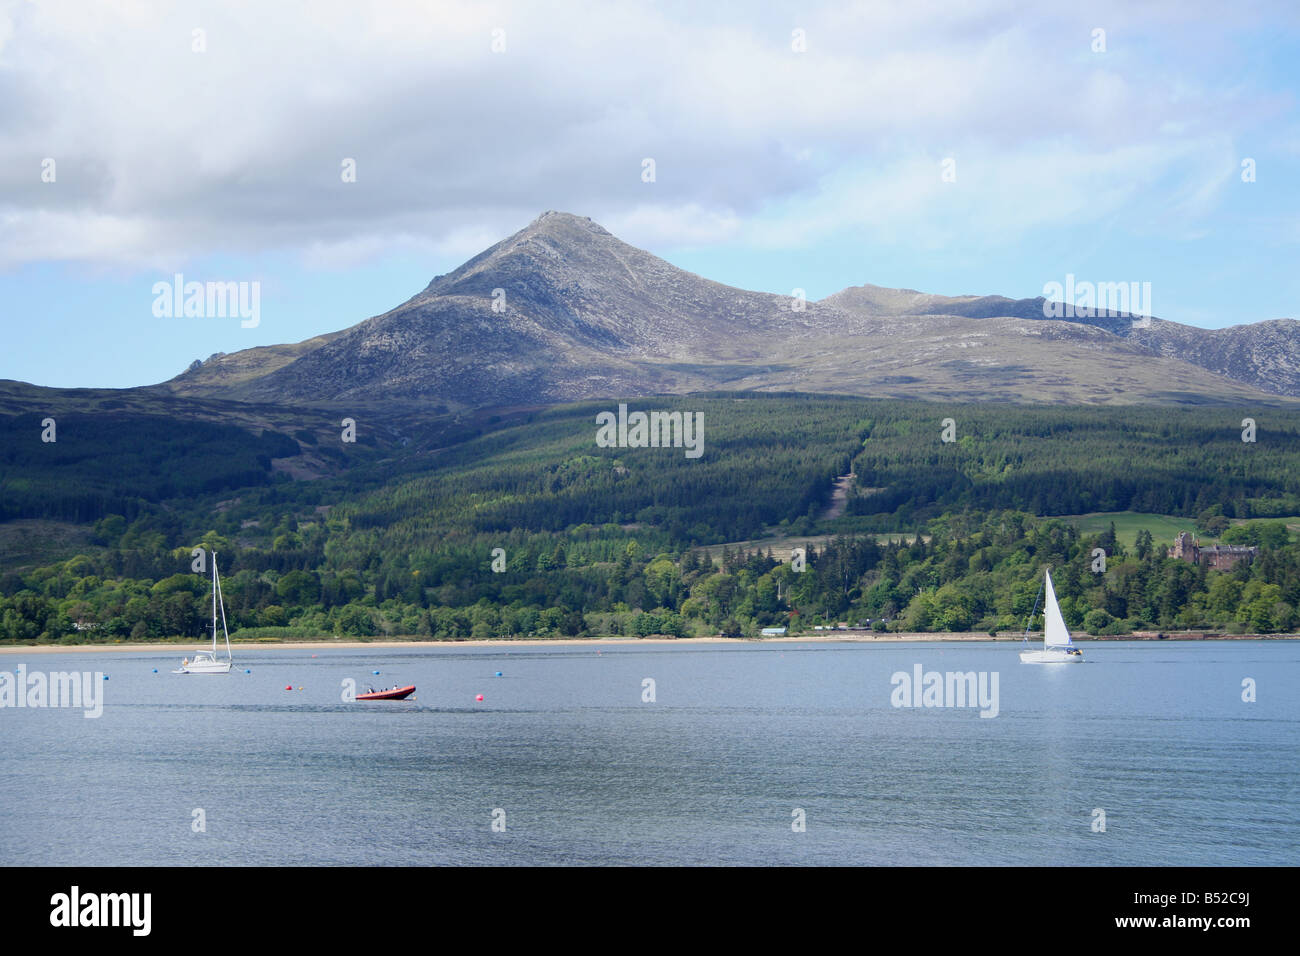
397 534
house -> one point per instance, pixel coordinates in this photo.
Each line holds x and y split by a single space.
1220 556
773 631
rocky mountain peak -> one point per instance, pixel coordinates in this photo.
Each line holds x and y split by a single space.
564 310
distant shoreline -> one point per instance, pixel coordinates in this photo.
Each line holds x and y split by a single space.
830 638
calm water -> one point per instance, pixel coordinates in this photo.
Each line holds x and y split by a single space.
1156 735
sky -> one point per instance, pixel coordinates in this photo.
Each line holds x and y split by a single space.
954 148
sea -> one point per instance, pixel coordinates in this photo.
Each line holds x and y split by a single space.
745 753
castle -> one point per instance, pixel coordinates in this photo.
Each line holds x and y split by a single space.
1219 556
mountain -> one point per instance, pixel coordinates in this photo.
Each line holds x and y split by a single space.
582 314
563 311
1265 355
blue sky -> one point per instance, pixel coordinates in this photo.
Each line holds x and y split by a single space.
218 154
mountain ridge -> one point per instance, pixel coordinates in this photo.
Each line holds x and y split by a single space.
563 310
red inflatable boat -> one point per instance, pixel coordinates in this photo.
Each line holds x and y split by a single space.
397 693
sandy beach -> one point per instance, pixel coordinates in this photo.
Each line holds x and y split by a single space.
854 638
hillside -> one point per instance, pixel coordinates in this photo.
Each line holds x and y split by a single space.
398 536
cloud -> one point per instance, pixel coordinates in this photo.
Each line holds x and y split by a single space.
166 153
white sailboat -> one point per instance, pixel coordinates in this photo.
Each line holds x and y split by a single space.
205 661
1057 646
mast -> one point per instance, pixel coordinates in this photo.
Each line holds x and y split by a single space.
214 604
225 630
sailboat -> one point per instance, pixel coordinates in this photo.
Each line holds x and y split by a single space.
1057 646
205 661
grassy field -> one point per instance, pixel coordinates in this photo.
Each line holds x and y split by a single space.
1163 528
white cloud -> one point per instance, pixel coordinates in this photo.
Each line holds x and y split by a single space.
686 224
165 153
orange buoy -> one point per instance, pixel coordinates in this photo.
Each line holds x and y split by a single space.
479 697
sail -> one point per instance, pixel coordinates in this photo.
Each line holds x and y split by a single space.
1055 633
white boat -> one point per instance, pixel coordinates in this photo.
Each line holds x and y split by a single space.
1057 646
205 661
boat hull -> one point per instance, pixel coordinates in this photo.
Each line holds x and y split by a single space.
214 667
204 662
399 693
1051 657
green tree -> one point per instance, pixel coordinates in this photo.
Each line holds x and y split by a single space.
1144 545
298 588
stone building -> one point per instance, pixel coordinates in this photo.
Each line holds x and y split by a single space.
1221 556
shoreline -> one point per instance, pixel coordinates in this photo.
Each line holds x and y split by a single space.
899 638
